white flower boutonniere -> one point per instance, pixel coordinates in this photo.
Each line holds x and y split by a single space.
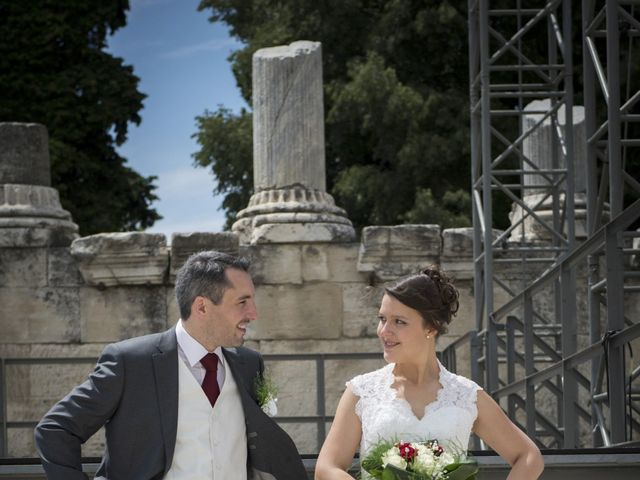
266 392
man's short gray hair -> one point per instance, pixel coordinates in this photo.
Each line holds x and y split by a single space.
203 275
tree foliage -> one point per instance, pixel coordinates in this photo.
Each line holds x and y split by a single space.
54 70
396 103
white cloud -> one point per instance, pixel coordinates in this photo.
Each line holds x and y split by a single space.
187 203
208 46
185 181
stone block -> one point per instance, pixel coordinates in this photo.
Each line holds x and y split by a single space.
457 242
302 232
23 267
50 350
343 263
129 258
123 312
21 444
341 345
295 380
173 312
315 263
275 264
185 244
33 389
392 252
457 252
39 315
63 269
32 236
465 318
298 311
24 156
304 435
94 447
335 262
360 309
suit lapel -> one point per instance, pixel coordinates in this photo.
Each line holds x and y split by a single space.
165 368
238 368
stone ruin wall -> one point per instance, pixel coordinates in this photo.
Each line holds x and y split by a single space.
70 301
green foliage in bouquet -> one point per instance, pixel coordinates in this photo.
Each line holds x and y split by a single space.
465 470
372 463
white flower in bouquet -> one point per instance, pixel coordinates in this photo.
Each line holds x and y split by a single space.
446 459
392 457
425 460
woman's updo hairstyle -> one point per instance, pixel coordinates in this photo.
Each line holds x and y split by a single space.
431 293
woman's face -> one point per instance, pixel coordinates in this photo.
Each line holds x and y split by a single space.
402 331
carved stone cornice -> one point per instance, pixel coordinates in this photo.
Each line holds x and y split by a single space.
129 258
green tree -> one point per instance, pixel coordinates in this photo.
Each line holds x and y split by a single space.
54 70
396 96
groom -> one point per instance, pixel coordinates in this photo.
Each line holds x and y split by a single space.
179 404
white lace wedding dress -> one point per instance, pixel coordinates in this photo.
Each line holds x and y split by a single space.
384 416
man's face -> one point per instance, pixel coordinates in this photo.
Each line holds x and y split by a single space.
227 322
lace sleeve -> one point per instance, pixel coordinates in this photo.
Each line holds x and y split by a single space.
356 385
367 388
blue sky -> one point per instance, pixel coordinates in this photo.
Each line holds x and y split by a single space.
181 60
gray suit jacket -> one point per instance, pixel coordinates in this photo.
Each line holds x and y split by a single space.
133 392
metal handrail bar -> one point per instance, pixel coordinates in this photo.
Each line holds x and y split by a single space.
571 362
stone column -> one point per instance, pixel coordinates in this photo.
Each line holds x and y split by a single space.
30 210
538 148
290 203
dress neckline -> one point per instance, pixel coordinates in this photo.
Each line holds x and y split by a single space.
404 403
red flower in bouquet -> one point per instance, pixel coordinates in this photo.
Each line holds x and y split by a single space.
406 451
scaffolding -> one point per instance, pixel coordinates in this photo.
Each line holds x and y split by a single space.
539 344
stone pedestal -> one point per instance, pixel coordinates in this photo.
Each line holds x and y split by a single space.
290 203
30 210
538 148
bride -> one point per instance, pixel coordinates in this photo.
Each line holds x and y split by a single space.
414 398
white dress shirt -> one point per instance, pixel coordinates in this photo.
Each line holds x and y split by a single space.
191 351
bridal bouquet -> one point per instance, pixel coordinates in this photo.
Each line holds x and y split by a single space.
418 461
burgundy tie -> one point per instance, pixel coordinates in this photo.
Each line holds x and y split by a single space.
210 383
